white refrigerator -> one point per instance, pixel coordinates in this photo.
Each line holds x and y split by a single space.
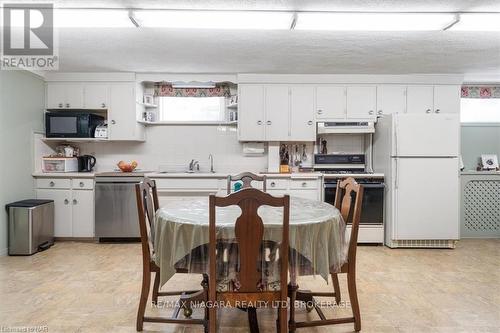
418 154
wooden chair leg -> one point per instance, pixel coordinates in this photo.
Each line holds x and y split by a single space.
282 318
353 296
146 283
292 291
252 320
336 287
212 320
156 288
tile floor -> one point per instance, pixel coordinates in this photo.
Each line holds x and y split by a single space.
87 287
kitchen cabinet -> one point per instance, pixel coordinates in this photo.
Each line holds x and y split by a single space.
96 96
251 111
122 114
73 207
64 96
302 125
63 226
82 213
330 102
420 99
433 99
277 107
447 99
276 112
391 99
361 102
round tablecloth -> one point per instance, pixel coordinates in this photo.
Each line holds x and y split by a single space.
317 232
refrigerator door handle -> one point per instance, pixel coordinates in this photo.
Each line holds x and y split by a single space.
396 178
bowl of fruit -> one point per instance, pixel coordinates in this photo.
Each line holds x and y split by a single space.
127 167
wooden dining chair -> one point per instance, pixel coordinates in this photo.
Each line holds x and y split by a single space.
347 190
246 178
249 287
147 205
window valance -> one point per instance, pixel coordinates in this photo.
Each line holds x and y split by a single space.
166 89
480 91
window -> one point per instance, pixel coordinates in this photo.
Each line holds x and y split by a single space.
480 110
192 109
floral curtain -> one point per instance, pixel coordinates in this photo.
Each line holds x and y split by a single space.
480 92
166 89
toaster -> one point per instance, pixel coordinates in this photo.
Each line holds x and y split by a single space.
101 131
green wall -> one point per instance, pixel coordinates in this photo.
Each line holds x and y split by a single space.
22 97
478 139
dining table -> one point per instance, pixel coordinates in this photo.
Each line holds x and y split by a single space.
181 234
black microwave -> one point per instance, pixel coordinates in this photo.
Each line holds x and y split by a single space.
66 124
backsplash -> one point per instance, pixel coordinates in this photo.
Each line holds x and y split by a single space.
171 148
344 143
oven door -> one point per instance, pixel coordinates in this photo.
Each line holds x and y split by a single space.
372 208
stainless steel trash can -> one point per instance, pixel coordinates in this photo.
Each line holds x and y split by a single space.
31 226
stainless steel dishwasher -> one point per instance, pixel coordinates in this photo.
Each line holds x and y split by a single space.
116 217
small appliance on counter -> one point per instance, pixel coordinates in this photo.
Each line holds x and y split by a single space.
86 163
60 164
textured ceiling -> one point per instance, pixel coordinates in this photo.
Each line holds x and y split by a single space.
190 51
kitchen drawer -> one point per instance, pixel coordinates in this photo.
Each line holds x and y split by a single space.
187 183
278 184
82 184
59 183
311 194
304 184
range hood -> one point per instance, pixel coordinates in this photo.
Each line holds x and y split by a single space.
346 127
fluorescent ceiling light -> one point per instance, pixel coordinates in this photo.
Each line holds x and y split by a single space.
92 18
478 22
373 21
193 19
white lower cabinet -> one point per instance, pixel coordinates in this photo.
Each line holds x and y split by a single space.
63 226
73 207
83 213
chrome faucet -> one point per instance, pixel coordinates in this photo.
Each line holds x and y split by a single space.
194 166
211 158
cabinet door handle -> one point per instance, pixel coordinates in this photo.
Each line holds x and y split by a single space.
61 105
66 201
428 111
75 201
320 111
310 122
82 184
304 184
103 105
52 184
380 112
269 122
370 112
259 122
67 105
273 184
438 110
113 122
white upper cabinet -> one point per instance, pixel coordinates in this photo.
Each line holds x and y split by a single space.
391 99
277 101
433 99
330 102
251 112
361 102
302 125
122 115
96 96
447 99
420 99
64 96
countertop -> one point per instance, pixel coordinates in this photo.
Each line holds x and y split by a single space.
480 173
218 175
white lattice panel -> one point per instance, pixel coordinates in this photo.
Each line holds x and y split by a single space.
481 213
